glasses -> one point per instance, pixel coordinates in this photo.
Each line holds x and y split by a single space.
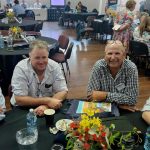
114 41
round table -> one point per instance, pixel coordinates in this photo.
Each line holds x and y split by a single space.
26 25
10 57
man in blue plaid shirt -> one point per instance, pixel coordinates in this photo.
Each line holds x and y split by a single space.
114 79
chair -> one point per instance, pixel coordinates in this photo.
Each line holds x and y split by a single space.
139 54
38 27
29 15
63 57
107 30
83 31
63 42
100 16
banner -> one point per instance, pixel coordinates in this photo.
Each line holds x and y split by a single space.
112 4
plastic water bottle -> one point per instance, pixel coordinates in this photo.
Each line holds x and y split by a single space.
147 139
1 41
31 121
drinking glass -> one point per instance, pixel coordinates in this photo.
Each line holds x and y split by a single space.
20 20
26 139
23 34
10 41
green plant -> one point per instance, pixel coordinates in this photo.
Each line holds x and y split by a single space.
123 139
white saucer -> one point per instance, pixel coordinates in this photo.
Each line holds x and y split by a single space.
63 124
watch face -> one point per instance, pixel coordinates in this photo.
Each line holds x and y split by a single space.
57 147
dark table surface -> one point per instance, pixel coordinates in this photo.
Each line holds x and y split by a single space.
27 25
21 50
76 16
16 119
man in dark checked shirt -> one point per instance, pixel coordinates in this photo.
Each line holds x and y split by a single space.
114 79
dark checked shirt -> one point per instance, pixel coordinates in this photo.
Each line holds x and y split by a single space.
123 89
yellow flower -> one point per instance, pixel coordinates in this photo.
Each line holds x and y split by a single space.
10 14
15 31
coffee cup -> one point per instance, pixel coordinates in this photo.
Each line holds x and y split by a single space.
49 117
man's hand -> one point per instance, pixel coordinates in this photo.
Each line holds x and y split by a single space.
40 110
97 96
132 108
54 103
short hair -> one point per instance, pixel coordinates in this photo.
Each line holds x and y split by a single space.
115 44
16 1
38 44
130 4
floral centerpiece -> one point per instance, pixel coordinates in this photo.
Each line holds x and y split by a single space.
10 15
89 133
16 32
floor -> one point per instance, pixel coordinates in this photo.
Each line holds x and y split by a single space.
85 53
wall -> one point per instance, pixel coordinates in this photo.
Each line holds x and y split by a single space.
90 4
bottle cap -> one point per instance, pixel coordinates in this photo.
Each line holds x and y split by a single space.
31 110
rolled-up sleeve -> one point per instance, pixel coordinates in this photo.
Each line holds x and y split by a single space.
59 81
19 82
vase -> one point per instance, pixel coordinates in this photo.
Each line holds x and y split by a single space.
11 20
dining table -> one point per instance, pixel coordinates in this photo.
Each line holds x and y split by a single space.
78 16
16 119
25 24
10 56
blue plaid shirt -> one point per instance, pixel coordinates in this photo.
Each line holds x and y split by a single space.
123 89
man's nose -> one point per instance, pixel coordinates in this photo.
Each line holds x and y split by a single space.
113 56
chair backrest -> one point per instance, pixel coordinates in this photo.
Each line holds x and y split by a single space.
38 26
63 41
100 16
89 20
30 14
69 51
138 48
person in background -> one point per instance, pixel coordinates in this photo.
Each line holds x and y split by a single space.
146 111
137 19
38 81
125 19
2 102
142 32
114 79
9 3
18 9
67 7
24 4
37 4
79 6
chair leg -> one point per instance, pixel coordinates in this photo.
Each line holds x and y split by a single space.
67 66
64 72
